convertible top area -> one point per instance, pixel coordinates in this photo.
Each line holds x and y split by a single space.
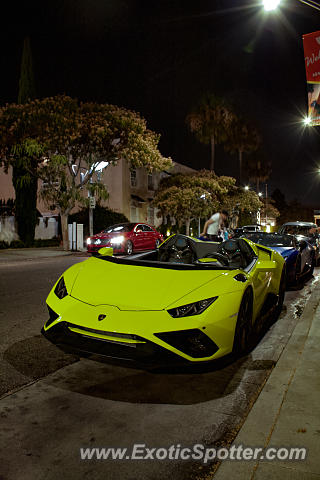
184 253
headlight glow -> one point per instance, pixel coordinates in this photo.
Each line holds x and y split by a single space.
61 289
191 308
118 239
88 241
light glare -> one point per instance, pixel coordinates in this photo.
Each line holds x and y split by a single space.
270 4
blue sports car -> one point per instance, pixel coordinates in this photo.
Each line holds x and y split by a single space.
299 255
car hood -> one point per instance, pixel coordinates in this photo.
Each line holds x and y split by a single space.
134 287
107 235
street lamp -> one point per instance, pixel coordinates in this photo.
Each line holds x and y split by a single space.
270 5
246 188
306 121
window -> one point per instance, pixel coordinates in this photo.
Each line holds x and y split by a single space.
133 178
146 228
150 181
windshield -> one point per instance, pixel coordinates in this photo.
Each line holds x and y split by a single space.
183 253
120 227
297 229
272 240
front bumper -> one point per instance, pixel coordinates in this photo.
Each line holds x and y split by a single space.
144 353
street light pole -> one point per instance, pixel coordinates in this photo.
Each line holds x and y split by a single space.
266 203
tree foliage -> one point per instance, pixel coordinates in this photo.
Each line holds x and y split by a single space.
210 122
102 218
258 168
199 195
242 138
74 140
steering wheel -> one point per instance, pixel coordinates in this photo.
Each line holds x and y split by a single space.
179 253
218 256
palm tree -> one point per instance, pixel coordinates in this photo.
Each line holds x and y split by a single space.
210 122
258 168
243 138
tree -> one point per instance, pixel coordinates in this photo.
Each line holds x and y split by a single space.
210 122
103 218
258 168
241 203
75 141
269 210
188 196
24 182
242 138
27 89
191 196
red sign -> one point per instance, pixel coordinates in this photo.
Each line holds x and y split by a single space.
311 46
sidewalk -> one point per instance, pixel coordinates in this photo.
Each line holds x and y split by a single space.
19 254
287 411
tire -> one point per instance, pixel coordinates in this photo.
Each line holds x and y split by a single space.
313 264
244 332
297 275
281 292
157 243
128 247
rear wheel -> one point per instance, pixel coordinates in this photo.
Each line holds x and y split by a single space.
244 332
129 247
313 264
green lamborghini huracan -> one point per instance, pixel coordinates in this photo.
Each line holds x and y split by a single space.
187 301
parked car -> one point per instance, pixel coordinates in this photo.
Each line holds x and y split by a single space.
302 232
126 238
239 231
299 256
186 302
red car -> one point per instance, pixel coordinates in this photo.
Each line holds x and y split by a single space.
126 238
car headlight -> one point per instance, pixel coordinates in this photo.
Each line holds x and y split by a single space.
118 239
61 289
88 241
191 308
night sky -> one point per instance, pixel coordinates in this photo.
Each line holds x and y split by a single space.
159 58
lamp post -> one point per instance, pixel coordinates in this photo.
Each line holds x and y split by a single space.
203 197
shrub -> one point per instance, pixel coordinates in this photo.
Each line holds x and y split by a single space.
102 218
17 244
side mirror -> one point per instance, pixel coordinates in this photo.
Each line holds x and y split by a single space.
106 251
266 265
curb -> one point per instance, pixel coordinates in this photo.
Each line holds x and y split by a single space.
258 428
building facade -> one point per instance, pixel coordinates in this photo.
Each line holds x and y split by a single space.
131 191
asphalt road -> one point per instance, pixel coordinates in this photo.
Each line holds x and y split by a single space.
54 404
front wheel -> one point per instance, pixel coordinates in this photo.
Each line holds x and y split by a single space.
129 247
297 275
281 292
244 332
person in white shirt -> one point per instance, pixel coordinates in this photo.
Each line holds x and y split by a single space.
213 226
